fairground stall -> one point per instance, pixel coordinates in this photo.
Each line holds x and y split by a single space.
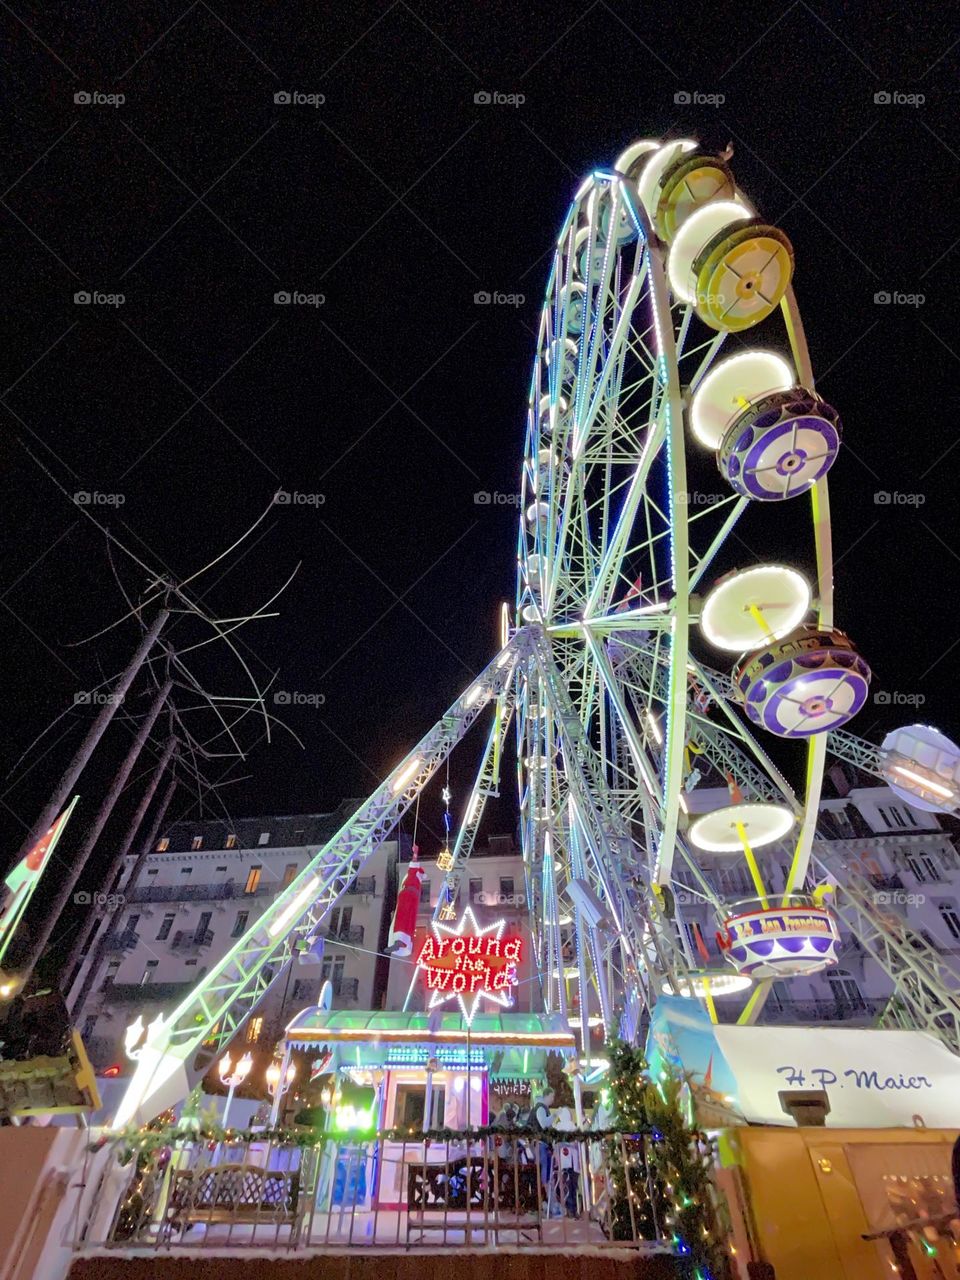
420 1071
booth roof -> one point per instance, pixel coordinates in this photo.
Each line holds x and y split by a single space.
496 1030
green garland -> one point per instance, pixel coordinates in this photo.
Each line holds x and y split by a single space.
146 1142
667 1188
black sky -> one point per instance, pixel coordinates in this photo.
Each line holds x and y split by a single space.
400 197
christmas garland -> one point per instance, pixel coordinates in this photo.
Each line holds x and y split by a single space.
665 1188
147 1141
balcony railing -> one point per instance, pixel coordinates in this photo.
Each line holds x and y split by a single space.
351 933
125 941
145 992
199 892
565 1191
364 886
863 1012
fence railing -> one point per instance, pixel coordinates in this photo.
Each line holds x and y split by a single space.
566 1190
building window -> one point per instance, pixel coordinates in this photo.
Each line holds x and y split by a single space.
948 914
240 924
196 843
844 989
165 926
111 972
163 845
929 864
203 925
254 1029
131 925
231 842
289 872
506 886
222 868
340 920
409 1106
915 868
191 963
332 972
186 871
425 891
253 879
153 871
883 814
264 838
476 890
148 972
89 1026
302 989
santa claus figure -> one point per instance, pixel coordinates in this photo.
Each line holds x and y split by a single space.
404 923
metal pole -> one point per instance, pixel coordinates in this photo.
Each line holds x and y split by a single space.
94 734
226 1110
281 1087
54 912
123 849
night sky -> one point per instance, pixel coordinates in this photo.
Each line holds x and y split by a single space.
398 397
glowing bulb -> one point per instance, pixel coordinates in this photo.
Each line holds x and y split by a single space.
406 775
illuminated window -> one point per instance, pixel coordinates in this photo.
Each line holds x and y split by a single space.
196 842
163 845
148 972
253 879
254 1029
264 837
231 842
289 871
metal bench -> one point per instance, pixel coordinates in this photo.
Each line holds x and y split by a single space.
234 1194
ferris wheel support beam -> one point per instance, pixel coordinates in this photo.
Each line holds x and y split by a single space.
926 989
207 1019
626 722
674 733
603 825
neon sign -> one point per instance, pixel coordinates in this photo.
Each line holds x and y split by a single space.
467 963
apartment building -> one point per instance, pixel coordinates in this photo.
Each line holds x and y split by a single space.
198 892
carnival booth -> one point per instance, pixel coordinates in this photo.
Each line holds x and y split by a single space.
424 1071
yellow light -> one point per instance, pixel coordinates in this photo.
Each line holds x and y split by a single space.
936 787
302 898
406 775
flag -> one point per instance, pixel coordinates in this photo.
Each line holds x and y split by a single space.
19 885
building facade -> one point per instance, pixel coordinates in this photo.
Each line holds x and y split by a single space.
493 886
204 885
906 863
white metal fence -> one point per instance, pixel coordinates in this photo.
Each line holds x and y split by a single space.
549 1190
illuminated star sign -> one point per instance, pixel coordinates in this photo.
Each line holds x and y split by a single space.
467 963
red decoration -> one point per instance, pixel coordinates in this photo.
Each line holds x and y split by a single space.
404 923
462 963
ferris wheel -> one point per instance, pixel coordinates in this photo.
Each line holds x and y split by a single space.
672 419
658 647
